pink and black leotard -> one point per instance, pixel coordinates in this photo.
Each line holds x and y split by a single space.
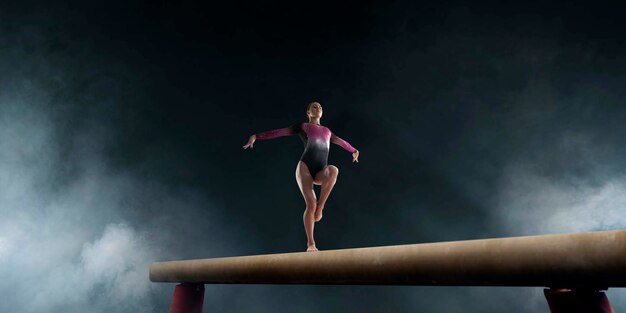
316 139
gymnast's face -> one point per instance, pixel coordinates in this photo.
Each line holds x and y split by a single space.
315 110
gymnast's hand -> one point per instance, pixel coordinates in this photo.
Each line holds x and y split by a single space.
355 156
250 142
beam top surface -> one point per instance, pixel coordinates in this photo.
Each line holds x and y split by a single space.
579 260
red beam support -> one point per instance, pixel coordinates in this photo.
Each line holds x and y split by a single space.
577 301
188 298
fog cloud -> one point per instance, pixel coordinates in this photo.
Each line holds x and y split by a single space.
77 234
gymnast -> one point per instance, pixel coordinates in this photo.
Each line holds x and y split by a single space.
312 168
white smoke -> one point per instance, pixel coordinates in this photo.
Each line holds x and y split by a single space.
111 272
56 253
531 202
76 236
5 248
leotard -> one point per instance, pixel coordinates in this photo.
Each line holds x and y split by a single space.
316 139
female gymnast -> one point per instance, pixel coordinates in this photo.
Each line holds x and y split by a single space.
312 168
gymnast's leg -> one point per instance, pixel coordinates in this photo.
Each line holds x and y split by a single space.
327 178
305 182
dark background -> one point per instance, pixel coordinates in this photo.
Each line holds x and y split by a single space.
122 126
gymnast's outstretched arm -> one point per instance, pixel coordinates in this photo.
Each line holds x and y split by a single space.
344 144
287 131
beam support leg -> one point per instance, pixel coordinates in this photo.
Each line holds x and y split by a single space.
575 301
188 298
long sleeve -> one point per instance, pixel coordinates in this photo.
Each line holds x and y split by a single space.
288 131
340 142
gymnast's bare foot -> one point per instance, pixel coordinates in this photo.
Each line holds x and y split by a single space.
318 212
311 248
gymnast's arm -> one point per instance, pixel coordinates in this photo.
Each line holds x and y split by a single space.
287 131
344 144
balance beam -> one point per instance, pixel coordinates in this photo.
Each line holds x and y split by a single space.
579 260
